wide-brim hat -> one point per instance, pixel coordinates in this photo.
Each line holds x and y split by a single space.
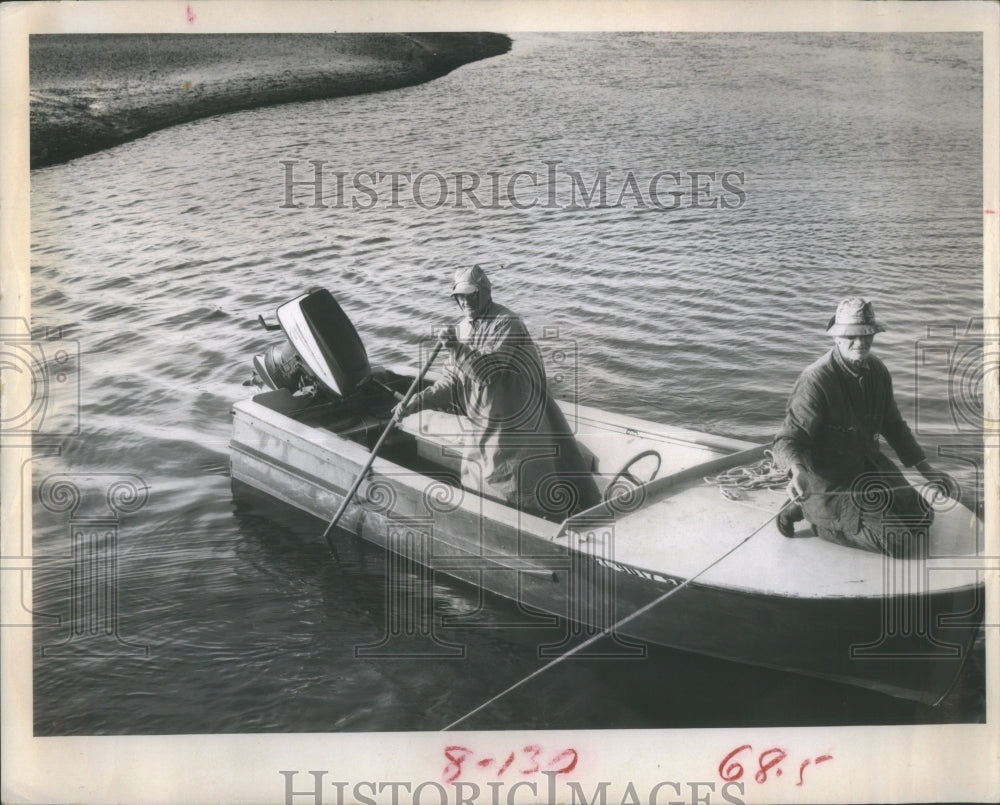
854 316
470 280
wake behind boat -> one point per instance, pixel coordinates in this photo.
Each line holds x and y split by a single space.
664 558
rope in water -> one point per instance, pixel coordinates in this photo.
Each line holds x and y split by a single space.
763 474
605 632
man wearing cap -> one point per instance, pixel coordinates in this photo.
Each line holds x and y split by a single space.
522 450
829 441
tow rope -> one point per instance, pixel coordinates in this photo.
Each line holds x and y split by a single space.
608 631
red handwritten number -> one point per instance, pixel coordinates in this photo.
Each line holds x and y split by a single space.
562 763
506 764
456 756
190 15
733 771
779 755
564 755
817 761
532 751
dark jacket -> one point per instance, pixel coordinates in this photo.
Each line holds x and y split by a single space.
832 425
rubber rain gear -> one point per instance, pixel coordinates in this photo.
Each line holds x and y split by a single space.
520 448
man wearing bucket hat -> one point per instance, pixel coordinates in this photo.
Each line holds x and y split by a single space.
840 481
521 449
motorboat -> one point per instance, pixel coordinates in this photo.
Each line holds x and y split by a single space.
671 555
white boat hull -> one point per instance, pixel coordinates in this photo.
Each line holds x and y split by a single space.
903 627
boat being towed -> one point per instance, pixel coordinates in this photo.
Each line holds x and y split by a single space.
720 578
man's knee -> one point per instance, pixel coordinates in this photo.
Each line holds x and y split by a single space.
905 543
901 537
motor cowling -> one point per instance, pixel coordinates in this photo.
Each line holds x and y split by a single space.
323 350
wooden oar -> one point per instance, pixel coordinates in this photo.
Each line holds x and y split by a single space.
378 445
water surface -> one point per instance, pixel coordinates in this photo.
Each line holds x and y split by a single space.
860 159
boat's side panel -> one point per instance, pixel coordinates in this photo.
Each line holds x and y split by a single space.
906 645
905 641
267 453
311 468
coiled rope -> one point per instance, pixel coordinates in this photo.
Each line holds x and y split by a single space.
736 481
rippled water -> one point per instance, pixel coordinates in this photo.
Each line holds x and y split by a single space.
861 161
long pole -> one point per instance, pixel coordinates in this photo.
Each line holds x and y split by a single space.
611 629
378 445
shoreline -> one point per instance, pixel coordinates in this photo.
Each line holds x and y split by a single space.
91 92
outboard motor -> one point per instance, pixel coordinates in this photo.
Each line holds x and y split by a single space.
323 349
279 368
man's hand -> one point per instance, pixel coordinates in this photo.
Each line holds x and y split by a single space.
944 485
405 408
449 338
798 486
